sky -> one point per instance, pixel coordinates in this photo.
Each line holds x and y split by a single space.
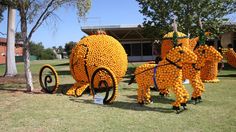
102 12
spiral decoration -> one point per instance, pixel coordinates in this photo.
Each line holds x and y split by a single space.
103 79
48 79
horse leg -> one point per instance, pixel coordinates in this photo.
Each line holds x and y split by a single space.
181 97
163 92
147 94
140 93
198 88
185 97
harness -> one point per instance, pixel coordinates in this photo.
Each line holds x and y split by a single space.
174 63
154 77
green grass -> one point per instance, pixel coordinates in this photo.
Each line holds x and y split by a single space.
20 111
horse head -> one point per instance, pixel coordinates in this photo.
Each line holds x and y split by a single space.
181 54
209 53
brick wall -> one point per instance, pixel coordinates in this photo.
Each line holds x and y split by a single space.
18 52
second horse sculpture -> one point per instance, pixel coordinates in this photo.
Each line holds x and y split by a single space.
167 75
192 71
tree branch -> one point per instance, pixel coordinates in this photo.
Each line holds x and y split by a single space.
3 33
42 17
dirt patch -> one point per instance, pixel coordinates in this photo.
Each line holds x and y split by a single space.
16 85
19 79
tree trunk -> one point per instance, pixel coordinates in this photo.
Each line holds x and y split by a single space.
10 57
28 75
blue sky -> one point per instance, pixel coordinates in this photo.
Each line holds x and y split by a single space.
102 12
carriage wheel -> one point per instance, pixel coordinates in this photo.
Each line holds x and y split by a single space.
48 79
103 81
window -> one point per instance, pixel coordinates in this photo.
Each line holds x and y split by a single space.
147 49
127 48
136 50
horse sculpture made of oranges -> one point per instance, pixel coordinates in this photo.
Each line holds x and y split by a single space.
167 74
192 71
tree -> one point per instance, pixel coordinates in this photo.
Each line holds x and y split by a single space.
159 15
36 12
36 49
48 54
10 57
2 9
69 46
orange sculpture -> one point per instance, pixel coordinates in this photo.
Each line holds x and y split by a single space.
167 42
231 57
97 61
167 74
192 71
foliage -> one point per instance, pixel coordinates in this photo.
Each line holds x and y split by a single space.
38 50
48 54
159 15
2 9
69 46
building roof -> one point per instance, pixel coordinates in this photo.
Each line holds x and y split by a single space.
120 32
127 32
3 41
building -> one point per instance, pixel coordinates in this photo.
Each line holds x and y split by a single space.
229 37
3 44
140 48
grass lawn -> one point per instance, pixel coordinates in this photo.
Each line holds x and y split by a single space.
20 111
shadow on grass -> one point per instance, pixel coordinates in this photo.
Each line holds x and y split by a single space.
63 64
156 99
138 107
64 88
65 72
229 75
14 90
127 106
227 67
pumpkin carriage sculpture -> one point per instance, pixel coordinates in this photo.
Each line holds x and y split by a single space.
97 62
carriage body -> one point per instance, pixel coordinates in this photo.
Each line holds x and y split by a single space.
97 62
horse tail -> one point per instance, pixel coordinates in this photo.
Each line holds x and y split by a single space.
132 79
